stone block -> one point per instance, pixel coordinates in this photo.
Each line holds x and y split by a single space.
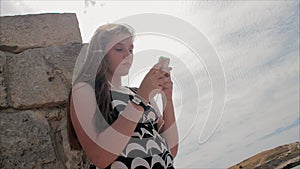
26 141
57 118
63 58
3 92
18 33
74 158
32 82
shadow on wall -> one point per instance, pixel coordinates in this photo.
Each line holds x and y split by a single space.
37 56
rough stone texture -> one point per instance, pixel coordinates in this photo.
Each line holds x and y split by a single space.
63 58
18 33
26 141
33 82
37 80
57 120
3 92
74 158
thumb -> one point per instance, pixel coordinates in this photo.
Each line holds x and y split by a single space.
156 67
167 70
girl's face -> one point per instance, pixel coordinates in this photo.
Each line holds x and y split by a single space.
119 56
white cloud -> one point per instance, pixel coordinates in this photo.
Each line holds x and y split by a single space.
261 63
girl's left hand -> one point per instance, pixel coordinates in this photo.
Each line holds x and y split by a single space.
167 86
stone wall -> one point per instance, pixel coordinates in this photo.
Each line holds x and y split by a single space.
37 56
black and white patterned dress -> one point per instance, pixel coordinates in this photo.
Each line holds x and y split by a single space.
146 148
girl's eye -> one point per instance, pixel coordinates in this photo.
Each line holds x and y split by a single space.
120 49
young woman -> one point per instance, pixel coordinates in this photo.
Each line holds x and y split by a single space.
116 126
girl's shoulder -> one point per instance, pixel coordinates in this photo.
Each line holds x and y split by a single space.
81 85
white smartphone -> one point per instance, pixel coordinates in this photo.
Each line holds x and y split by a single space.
166 62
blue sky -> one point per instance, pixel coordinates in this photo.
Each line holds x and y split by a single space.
257 43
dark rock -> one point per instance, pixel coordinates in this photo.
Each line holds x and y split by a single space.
33 82
26 142
3 91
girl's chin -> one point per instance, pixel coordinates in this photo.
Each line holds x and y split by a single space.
123 73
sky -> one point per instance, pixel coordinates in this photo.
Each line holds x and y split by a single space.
257 45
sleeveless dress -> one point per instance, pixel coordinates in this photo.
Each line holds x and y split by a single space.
146 147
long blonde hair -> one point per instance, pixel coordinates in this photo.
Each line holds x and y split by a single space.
92 67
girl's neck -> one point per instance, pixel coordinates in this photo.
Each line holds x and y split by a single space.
116 85
115 80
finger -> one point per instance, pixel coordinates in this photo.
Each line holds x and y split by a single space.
164 80
158 88
168 69
168 74
167 86
167 80
158 74
153 70
156 67
168 83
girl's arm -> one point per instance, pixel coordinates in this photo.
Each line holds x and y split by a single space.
102 149
169 129
167 125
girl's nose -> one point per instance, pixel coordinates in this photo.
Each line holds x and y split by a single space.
127 54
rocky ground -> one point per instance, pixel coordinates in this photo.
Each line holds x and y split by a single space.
282 157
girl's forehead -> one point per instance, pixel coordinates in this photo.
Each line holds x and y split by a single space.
125 40
120 39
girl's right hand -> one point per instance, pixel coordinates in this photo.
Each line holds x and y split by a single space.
152 82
